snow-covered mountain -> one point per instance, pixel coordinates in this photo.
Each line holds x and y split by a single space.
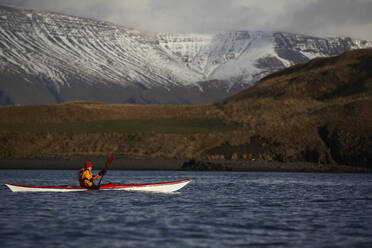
48 58
251 55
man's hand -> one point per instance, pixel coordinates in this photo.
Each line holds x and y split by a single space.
102 172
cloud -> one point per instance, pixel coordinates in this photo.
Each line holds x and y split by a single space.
335 18
315 17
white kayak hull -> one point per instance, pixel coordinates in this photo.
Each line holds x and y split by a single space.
163 187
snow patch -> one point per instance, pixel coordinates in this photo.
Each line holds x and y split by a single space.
61 48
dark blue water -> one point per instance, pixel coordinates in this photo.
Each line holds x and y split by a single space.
215 210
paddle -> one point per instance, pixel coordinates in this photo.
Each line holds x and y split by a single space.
108 162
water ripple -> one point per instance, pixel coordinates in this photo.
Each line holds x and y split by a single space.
215 210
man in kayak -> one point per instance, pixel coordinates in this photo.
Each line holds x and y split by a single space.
86 178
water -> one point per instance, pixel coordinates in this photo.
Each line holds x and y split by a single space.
215 210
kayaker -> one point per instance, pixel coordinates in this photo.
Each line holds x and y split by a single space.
86 178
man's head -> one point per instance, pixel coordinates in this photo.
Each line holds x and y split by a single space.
88 166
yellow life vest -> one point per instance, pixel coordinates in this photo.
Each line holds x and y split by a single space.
86 178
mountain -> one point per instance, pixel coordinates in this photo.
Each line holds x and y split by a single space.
52 58
318 112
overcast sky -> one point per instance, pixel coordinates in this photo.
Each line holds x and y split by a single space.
315 17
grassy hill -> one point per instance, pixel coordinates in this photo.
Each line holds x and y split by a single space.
318 112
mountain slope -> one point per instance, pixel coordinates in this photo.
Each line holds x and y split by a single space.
51 58
316 112
251 55
320 111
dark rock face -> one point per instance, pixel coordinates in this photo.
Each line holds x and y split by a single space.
269 62
347 148
291 55
339 147
293 42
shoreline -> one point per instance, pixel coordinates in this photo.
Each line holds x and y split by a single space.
128 163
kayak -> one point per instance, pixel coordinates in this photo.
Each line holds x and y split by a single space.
163 187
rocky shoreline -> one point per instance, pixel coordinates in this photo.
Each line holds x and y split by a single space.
128 163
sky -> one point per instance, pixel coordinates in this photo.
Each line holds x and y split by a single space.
324 18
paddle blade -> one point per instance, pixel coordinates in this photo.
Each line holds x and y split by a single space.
109 160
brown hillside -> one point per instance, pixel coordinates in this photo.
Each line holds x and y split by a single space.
321 79
318 112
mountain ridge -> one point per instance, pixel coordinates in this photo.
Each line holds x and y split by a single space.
60 58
